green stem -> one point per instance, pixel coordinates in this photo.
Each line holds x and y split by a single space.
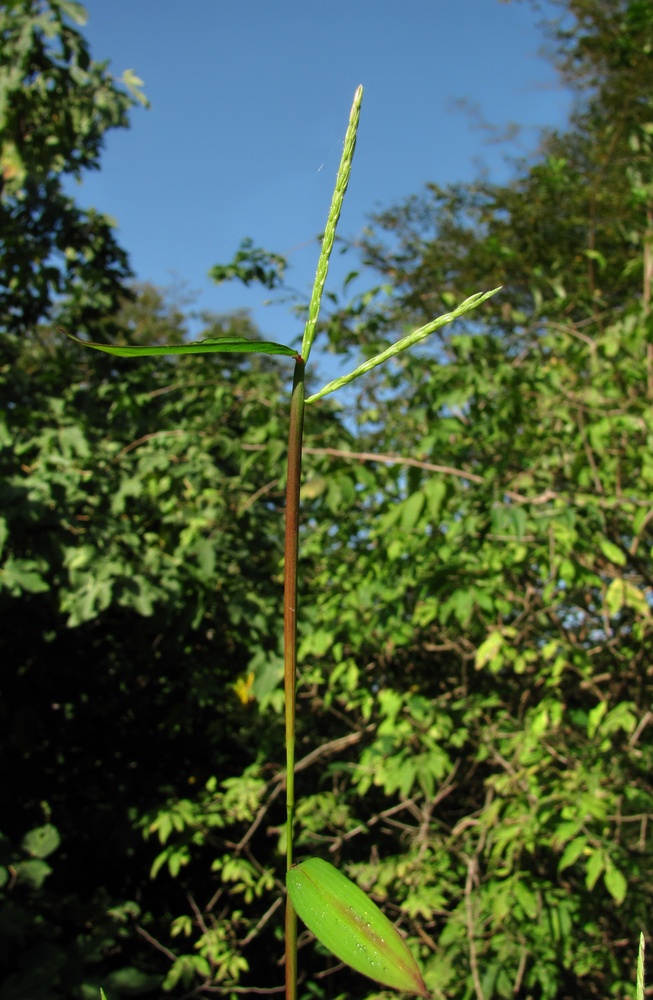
297 404
290 645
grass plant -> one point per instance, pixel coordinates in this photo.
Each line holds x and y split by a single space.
335 909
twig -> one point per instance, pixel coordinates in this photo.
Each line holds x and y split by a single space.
606 503
198 915
262 922
472 874
238 989
643 723
521 968
327 748
142 440
259 493
156 944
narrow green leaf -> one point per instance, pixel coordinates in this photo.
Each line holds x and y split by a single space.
640 969
211 346
350 925
413 338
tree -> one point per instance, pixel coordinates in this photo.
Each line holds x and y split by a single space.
565 237
56 107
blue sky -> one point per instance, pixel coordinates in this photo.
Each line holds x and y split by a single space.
249 106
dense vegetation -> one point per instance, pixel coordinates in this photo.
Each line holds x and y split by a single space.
475 717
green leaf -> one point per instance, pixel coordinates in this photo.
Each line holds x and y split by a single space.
622 593
74 11
33 872
526 899
22 575
213 345
612 552
41 841
640 969
251 264
594 718
571 853
490 652
134 85
131 981
615 883
350 925
595 866
411 510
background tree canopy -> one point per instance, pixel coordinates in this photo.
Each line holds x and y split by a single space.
476 635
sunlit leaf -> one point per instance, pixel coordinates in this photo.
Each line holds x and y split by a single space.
42 841
350 925
219 345
615 883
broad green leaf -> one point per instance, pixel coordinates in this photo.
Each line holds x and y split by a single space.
571 853
595 865
594 718
615 883
489 651
622 593
350 925
23 575
612 552
410 511
212 345
526 899
33 872
42 841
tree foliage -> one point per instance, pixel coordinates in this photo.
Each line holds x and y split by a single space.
56 105
476 604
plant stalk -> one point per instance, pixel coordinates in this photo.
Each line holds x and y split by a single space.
291 552
295 435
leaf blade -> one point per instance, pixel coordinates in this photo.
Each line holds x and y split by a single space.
350 925
219 345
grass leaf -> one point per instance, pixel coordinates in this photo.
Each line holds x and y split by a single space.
210 346
350 925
